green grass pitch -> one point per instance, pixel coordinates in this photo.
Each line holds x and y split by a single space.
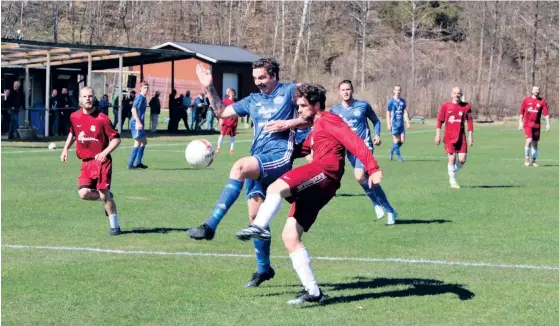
486 254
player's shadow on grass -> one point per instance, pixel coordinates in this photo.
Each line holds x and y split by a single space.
351 195
415 287
437 221
423 159
549 165
493 186
153 230
173 169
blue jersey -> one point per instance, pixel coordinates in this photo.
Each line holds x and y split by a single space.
356 117
278 105
301 135
140 103
396 107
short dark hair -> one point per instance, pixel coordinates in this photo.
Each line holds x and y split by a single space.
346 81
270 64
313 93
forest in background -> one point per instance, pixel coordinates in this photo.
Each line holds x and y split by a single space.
494 50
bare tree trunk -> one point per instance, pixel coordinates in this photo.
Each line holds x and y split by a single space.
526 69
411 92
356 61
535 44
283 32
366 8
229 27
489 98
307 49
303 24
480 58
276 28
72 20
55 11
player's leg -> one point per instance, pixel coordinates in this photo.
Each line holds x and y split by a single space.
535 142
219 142
301 260
362 179
400 138
232 140
395 141
87 181
143 142
133 153
245 168
86 193
264 271
452 170
110 209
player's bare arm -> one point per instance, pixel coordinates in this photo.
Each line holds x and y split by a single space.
520 122
407 119
282 125
220 110
388 120
547 124
112 146
69 142
139 124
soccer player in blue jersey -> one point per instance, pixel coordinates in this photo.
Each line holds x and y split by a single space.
137 129
356 114
396 116
270 154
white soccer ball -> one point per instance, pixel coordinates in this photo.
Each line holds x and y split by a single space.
52 146
199 153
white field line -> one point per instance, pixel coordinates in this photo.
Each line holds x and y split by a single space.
365 260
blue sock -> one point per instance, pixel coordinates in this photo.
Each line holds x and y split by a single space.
381 196
229 195
262 250
140 154
370 193
397 148
393 149
133 155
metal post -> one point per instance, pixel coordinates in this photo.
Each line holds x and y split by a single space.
104 83
141 72
27 93
89 69
172 75
47 97
120 57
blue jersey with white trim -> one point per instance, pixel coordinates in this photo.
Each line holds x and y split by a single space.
278 105
397 108
356 116
140 103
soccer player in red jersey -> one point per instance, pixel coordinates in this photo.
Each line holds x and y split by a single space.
228 125
530 119
455 114
96 140
311 186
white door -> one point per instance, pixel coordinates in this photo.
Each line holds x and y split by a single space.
230 81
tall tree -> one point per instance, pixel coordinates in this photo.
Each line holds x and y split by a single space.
302 26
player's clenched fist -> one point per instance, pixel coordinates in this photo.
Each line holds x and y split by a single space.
437 140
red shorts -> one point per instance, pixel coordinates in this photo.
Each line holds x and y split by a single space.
311 190
459 147
228 131
533 133
95 174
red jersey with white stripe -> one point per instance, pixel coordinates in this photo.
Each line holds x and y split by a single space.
531 110
93 132
229 122
328 141
455 115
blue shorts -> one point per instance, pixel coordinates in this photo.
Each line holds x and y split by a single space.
136 134
354 161
272 166
399 130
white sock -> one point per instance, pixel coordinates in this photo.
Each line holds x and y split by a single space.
457 166
302 265
232 140
268 210
527 151
452 173
219 141
113 221
535 153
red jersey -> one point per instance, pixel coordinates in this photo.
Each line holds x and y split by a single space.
328 141
229 122
455 117
93 133
531 110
